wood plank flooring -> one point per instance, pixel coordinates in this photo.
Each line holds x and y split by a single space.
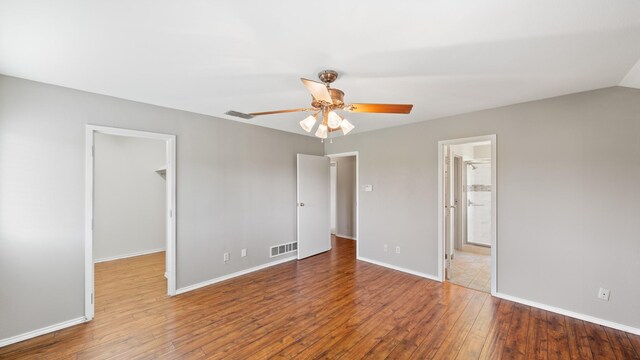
326 306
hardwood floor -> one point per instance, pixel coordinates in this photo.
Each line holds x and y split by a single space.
327 306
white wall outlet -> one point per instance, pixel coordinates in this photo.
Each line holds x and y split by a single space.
367 187
226 257
386 248
603 294
243 253
397 249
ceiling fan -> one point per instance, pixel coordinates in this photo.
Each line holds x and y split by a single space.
325 100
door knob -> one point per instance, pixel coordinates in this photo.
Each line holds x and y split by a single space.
301 204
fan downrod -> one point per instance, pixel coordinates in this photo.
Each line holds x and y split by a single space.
328 76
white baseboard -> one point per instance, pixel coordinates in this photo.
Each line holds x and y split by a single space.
41 331
569 313
346 237
416 273
118 257
231 276
553 309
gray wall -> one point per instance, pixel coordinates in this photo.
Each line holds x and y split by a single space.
568 195
236 189
129 196
346 196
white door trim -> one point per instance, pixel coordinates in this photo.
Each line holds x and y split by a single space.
170 140
494 206
347 154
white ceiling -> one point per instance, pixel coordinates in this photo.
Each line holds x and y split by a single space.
446 57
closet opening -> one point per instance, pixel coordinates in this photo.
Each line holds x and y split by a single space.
130 215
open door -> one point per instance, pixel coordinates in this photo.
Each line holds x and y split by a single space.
448 213
313 208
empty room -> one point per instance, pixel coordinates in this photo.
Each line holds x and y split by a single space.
342 180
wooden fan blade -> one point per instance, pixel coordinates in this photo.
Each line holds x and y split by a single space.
318 90
381 108
279 111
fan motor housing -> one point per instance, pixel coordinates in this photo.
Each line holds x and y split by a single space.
337 96
337 99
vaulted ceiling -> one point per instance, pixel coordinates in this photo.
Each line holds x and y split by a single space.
446 57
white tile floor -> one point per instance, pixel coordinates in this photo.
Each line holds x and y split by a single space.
471 270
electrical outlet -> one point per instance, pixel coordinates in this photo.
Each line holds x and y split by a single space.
386 248
397 249
603 294
244 253
226 257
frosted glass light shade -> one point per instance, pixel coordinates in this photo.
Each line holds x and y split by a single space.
322 131
308 123
346 126
333 120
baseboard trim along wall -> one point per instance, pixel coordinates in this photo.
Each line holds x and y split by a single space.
416 273
534 304
346 237
233 275
41 331
569 313
118 257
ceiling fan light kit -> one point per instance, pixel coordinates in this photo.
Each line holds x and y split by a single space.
308 123
346 126
334 120
326 100
322 131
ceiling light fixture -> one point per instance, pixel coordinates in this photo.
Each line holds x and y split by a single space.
333 120
346 126
327 100
307 124
322 131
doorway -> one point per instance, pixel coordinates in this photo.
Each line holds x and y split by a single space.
99 200
319 196
467 202
345 197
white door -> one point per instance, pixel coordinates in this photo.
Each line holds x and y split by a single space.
314 229
449 221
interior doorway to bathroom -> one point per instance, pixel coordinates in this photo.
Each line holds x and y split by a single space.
467 226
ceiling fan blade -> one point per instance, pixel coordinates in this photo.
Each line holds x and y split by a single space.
279 111
239 114
318 90
380 108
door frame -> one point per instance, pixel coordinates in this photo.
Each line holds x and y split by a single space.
170 141
494 205
333 190
358 236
